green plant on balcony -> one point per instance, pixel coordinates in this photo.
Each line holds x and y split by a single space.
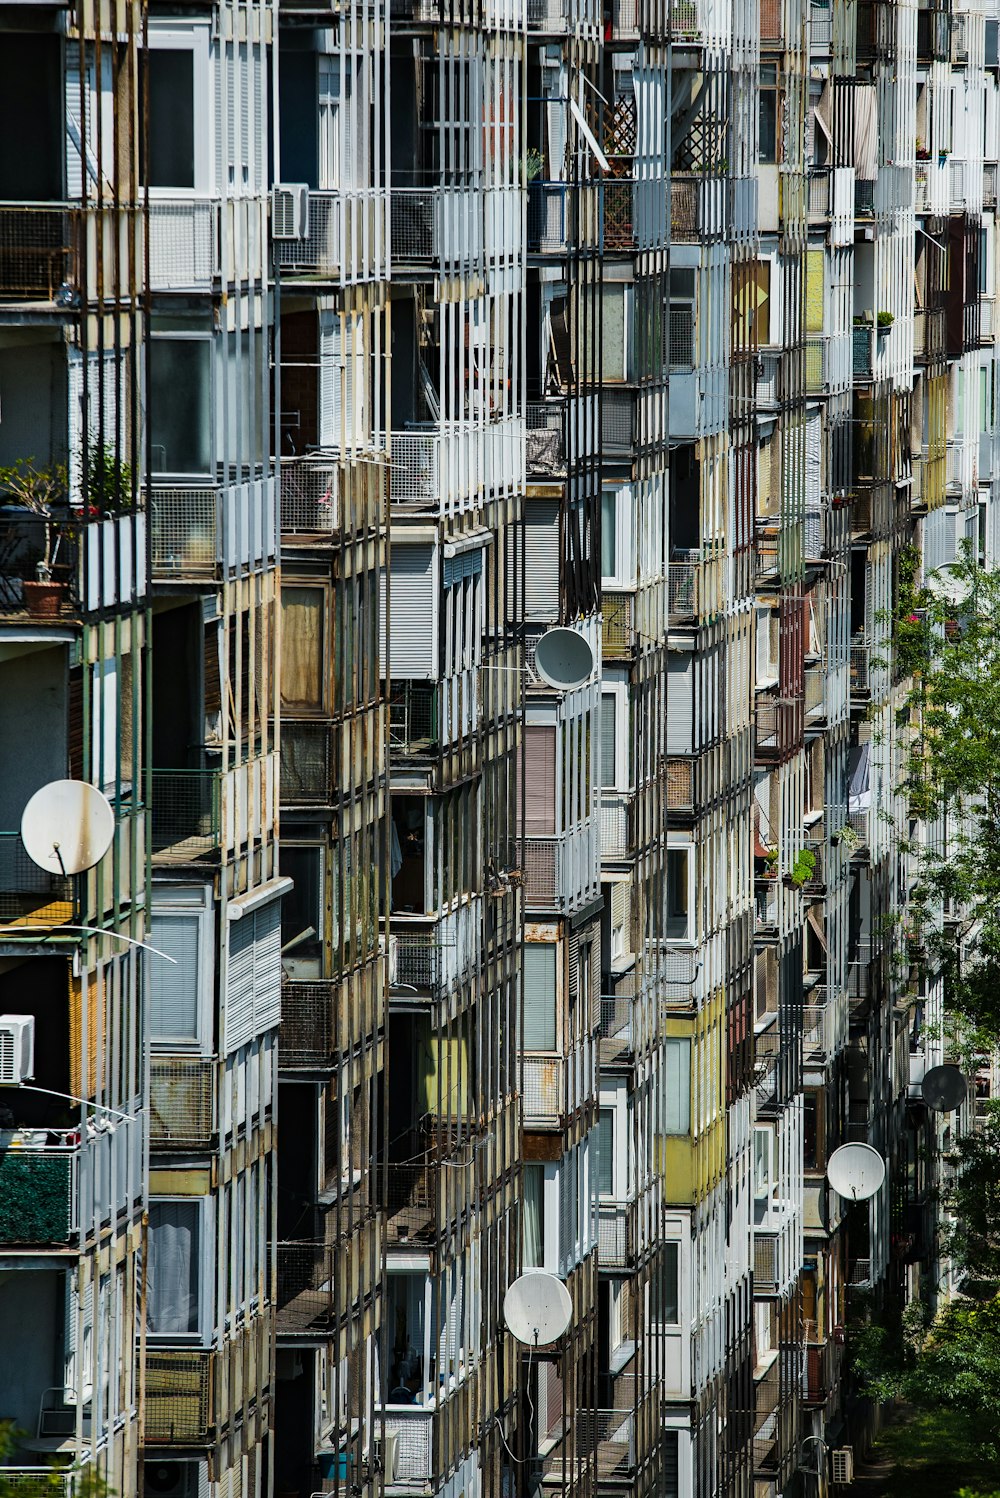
39 489
848 837
534 164
87 1482
885 321
803 868
108 482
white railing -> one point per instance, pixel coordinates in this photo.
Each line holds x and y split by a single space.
346 239
544 1088
614 825
203 531
183 244
450 468
412 1429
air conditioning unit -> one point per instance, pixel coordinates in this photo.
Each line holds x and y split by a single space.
290 210
843 1465
174 1479
384 1452
17 1048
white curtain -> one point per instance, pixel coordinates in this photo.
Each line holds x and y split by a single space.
172 1267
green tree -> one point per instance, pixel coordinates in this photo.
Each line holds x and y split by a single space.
947 637
974 1200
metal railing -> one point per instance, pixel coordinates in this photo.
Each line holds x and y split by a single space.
38 1192
617 633
183 244
322 1018
27 889
310 495
684 590
306 750
413 716
548 216
616 824
428 1196
544 1088
817 1032
179 1388
617 1245
181 1101
39 246
184 530
185 820
346 237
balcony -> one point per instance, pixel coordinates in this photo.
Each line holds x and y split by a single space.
629 1026
181 1102
616 825
318 1284
617 631
435 955
180 1398
53 1193
448 470
413 717
306 763
425 1199
28 891
413 1431
861 672
929 334
186 820
545 439
820 1374
549 218
346 238
818 1034
561 873
777 727
323 1019
436 224
863 338
183 244
554 1087
206 533
39 249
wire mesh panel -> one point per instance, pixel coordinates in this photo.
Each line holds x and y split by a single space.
544 1094
617 634
547 216
310 495
178 1397
305 762
539 863
185 820
415 468
25 888
618 213
413 716
307 1035
40 1482
37 249
185 532
181 1094
183 240
617 418
413 219
306 1286
684 580
418 959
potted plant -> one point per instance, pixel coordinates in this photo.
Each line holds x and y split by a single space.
771 863
108 485
884 321
38 489
534 164
803 868
922 152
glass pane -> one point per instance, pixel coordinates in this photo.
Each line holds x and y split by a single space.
613 333
171 117
172 1260
179 405
606 1152
609 539
678 1086
671 1285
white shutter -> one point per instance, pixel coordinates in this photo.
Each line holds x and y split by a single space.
609 719
253 982
539 966
173 989
680 703
413 615
541 559
238 1028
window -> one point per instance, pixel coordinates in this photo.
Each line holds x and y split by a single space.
104 725
609 533
609 729
180 405
539 959
614 333
533 1216
671 1284
407 1338
763 1149
606 1152
678 1086
682 299
677 894
173 1268
760 294
176 991
768 114
303 630
170 81
302 906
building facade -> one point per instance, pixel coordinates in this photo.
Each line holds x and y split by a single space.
344 353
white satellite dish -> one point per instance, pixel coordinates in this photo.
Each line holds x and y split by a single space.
537 1308
943 1088
67 826
856 1171
564 659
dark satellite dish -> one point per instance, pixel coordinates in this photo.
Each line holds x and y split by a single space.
943 1088
564 659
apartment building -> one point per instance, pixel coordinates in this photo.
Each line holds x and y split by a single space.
348 351
74 675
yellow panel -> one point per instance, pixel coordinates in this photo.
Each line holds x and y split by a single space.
180 1182
814 290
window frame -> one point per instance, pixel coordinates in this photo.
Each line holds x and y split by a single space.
207 1268
194 37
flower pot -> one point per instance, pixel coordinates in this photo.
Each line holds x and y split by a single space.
43 600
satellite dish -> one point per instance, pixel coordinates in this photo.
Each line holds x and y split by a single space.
67 826
564 659
537 1308
855 1171
943 1088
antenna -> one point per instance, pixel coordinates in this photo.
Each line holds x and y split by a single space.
564 659
856 1171
67 827
943 1088
537 1308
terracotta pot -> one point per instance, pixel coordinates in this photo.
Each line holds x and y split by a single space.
43 600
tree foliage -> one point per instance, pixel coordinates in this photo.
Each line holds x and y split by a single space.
947 638
974 1200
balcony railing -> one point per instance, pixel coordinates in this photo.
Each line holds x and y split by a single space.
323 1018
685 585
561 873
181 1102
306 763
26 889
617 632
437 223
310 495
311 1291
39 245
179 1397
426 1197
617 1234
413 716
545 439
185 814
346 241
38 1193
817 1033
413 1430
549 216
183 244
203 531
629 1023
616 825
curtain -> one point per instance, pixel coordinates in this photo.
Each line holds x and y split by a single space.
172 1267
533 1241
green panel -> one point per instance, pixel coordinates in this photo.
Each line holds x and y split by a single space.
34 1197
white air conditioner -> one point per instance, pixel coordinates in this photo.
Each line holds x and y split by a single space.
17 1048
290 210
843 1464
384 1452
